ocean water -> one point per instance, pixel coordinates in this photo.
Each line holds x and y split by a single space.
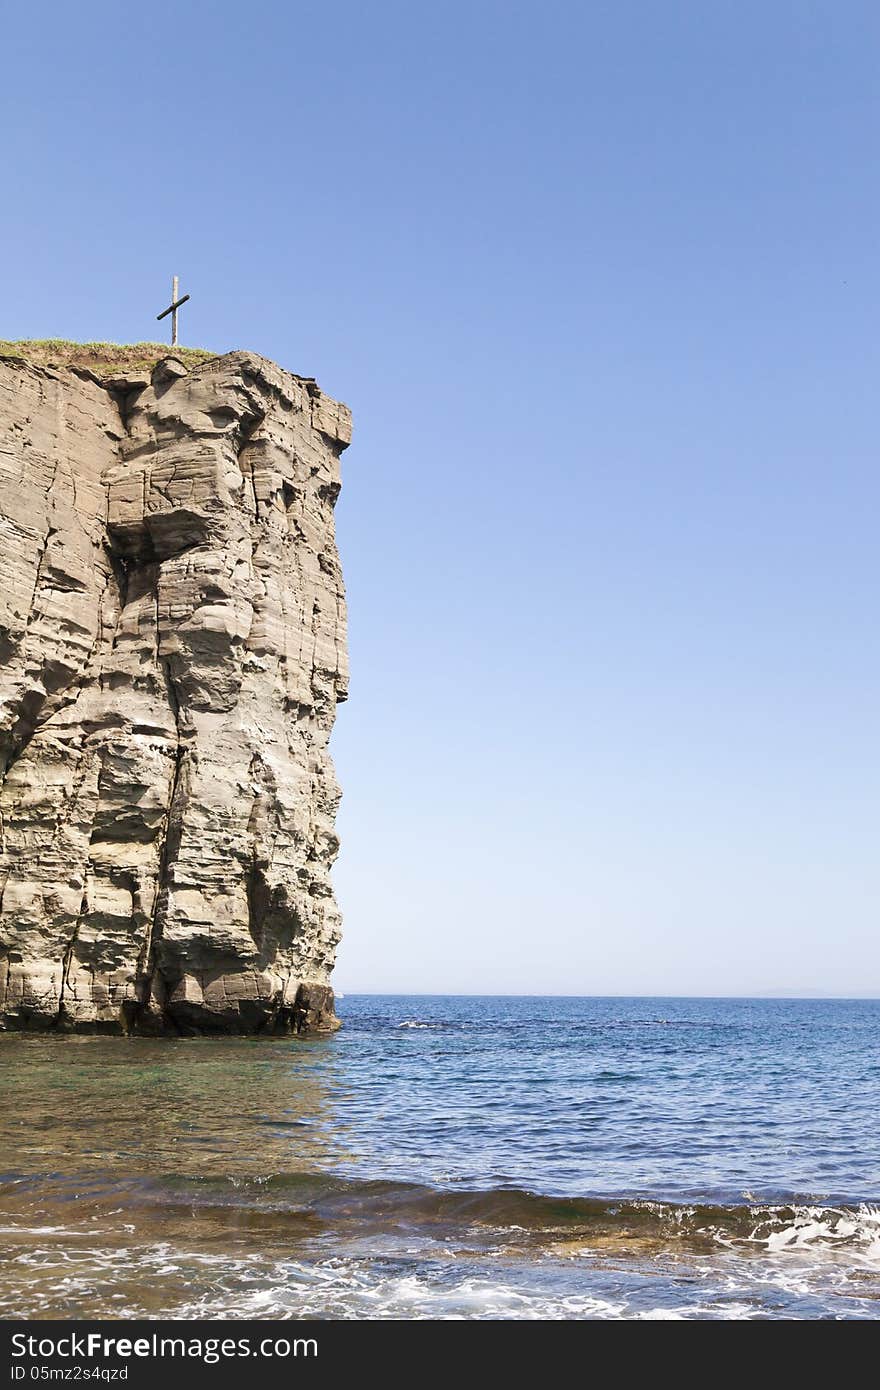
453 1158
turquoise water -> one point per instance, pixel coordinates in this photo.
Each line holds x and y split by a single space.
452 1157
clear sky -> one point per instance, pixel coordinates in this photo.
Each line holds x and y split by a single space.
600 283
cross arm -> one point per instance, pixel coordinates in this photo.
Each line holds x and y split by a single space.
171 307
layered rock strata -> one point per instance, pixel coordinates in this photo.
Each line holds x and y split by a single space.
172 651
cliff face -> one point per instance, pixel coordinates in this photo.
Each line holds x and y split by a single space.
172 650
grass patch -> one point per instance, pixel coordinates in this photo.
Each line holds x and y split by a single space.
104 359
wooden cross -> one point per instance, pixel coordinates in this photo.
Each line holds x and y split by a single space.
172 309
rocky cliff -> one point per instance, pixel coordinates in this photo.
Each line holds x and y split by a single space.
172 651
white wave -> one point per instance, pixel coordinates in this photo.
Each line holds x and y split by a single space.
816 1229
782 1268
37 1230
349 1292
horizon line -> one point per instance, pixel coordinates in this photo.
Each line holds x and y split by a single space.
461 994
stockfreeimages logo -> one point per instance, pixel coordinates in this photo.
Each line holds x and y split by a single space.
95 1346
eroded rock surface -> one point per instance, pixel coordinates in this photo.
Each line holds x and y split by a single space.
172 650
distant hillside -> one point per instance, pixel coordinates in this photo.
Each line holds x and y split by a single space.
102 358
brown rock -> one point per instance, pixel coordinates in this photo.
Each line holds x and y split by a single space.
172 639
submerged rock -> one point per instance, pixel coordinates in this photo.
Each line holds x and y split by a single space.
172 640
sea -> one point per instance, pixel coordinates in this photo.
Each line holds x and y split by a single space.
449 1158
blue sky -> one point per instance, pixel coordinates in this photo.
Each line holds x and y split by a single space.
600 283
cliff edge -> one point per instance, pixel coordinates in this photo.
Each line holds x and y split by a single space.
172 651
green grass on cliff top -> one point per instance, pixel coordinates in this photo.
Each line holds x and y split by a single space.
104 359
